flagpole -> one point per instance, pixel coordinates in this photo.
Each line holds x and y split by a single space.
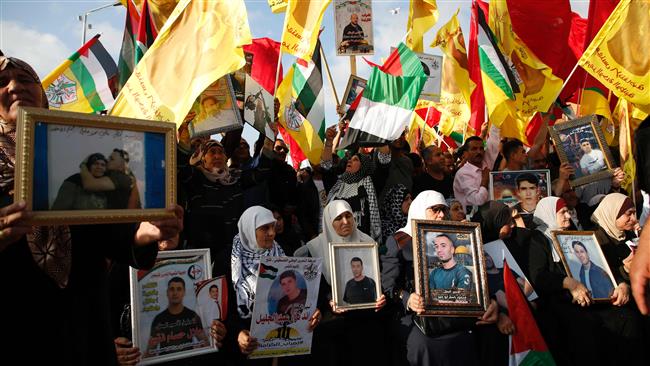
329 76
277 73
566 81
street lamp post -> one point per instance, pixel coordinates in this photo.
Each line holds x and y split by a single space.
84 18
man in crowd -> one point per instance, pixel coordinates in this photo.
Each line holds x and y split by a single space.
435 176
360 288
515 154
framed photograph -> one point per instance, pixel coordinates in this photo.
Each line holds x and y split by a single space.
356 283
584 260
212 300
258 107
450 268
432 66
496 252
286 297
581 143
216 110
353 32
352 90
165 309
75 168
521 189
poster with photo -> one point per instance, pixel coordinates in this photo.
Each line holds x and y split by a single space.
521 189
215 110
258 107
212 300
356 281
495 253
285 298
353 27
165 311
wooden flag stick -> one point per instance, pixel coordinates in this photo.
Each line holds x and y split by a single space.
353 65
277 73
329 76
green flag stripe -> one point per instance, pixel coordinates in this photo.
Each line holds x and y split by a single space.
494 73
400 91
536 358
87 85
411 64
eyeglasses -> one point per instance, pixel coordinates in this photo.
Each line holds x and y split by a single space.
281 149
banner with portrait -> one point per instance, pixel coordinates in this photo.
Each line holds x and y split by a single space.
353 27
285 298
165 311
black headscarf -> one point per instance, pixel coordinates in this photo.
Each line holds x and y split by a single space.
367 168
492 216
642 143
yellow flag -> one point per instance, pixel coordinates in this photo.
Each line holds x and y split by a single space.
423 15
594 102
301 27
159 9
618 57
538 87
302 131
625 144
277 6
200 43
456 85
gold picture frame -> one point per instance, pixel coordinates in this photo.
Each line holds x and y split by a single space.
568 137
467 295
351 92
342 274
594 253
51 145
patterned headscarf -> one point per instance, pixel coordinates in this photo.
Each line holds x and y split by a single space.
223 176
367 168
51 246
392 217
246 255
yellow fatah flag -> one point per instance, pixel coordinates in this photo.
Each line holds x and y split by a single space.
625 144
419 129
423 15
277 6
160 9
302 131
538 87
618 57
456 85
200 43
301 27
594 102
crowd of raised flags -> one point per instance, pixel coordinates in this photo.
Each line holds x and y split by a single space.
511 69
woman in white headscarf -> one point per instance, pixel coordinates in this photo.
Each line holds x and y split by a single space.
353 333
254 241
429 340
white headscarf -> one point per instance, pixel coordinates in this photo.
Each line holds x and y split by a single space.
419 206
319 246
246 254
607 212
545 217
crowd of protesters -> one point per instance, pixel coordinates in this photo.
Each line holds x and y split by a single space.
243 206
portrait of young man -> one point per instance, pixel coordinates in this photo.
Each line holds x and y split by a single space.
176 328
450 274
293 301
360 288
592 160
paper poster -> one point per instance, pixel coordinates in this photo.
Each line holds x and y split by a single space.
258 107
285 299
353 27
212 299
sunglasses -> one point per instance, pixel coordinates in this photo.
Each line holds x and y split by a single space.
281 149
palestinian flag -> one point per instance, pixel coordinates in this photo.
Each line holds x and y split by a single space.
387 103
81 83
493 63
527 347
308 84
267 271
139 34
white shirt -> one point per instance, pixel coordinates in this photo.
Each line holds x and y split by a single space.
592 162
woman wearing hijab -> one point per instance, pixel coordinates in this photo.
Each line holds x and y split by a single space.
586 327
429 340
349 332
72 195
215 201
254 241
61 292
394 211
355 186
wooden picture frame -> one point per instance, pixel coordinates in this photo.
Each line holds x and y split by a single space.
572 256
138 182
466 293
343 266
352 91
220 95
568 138
149 303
